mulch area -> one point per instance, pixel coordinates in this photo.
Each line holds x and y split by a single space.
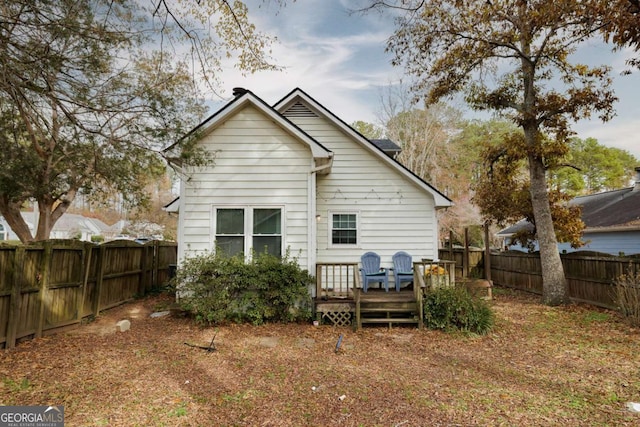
574 365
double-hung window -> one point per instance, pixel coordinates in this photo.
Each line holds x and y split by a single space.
239 230
344 228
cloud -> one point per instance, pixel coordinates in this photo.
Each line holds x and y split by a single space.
339 59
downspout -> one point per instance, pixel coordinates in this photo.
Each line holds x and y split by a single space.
312 233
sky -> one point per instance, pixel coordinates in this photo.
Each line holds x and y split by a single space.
338 58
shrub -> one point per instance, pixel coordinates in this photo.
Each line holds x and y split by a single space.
627 296
217 288
453 308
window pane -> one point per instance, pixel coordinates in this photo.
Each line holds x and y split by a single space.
344 237
270 244
266 221
345 229
344 221
230 221
230 245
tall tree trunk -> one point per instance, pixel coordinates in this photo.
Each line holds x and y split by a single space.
554 284
50 212
11 213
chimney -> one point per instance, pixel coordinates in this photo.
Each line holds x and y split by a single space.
636 185
239 91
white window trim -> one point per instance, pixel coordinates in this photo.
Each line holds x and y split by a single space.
330 229
248 225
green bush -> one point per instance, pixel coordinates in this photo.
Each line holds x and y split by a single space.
217 288
454 308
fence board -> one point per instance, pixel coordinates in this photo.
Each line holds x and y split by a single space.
54 285
590 279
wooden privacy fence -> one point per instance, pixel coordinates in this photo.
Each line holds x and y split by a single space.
591 279
50 286
469 262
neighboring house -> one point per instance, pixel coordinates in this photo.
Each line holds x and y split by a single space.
295 177
389 147
612 222
69 226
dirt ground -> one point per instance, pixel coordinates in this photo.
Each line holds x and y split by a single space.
541 366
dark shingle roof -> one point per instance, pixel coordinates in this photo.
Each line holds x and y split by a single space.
388 146
618 208
611 208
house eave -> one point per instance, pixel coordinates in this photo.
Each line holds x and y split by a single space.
612 229
248 98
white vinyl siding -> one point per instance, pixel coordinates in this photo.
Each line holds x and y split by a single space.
258 164
394 214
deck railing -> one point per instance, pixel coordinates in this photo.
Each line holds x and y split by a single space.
336 280
432 274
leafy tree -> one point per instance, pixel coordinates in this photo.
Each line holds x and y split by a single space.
591 167
368 130
503 193
623 26
512 57
89 96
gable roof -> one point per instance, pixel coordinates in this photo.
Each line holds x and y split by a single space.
297 94
616 210
243 98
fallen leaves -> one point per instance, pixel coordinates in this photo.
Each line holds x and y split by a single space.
540 366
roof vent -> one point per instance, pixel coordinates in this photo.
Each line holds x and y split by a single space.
299 110
239 91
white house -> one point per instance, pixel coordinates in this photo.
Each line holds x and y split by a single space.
295 177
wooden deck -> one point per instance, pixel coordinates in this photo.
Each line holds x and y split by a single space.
374 306
341 301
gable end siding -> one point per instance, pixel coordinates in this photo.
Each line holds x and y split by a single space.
394 214
257 164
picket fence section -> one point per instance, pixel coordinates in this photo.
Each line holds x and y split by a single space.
51 286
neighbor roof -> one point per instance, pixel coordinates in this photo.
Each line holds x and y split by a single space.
386 145
612 210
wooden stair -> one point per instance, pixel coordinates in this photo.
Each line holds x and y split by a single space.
387 308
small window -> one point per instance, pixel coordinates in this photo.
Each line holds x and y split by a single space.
344 229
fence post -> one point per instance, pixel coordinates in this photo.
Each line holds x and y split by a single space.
15 304
465 254
95 304
142 278
156 263
43 293
487 252
87 251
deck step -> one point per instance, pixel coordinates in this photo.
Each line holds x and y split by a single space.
387 309
387 320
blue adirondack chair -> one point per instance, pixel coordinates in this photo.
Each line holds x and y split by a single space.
372 272
402 268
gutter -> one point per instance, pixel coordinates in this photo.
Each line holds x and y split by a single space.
324 166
